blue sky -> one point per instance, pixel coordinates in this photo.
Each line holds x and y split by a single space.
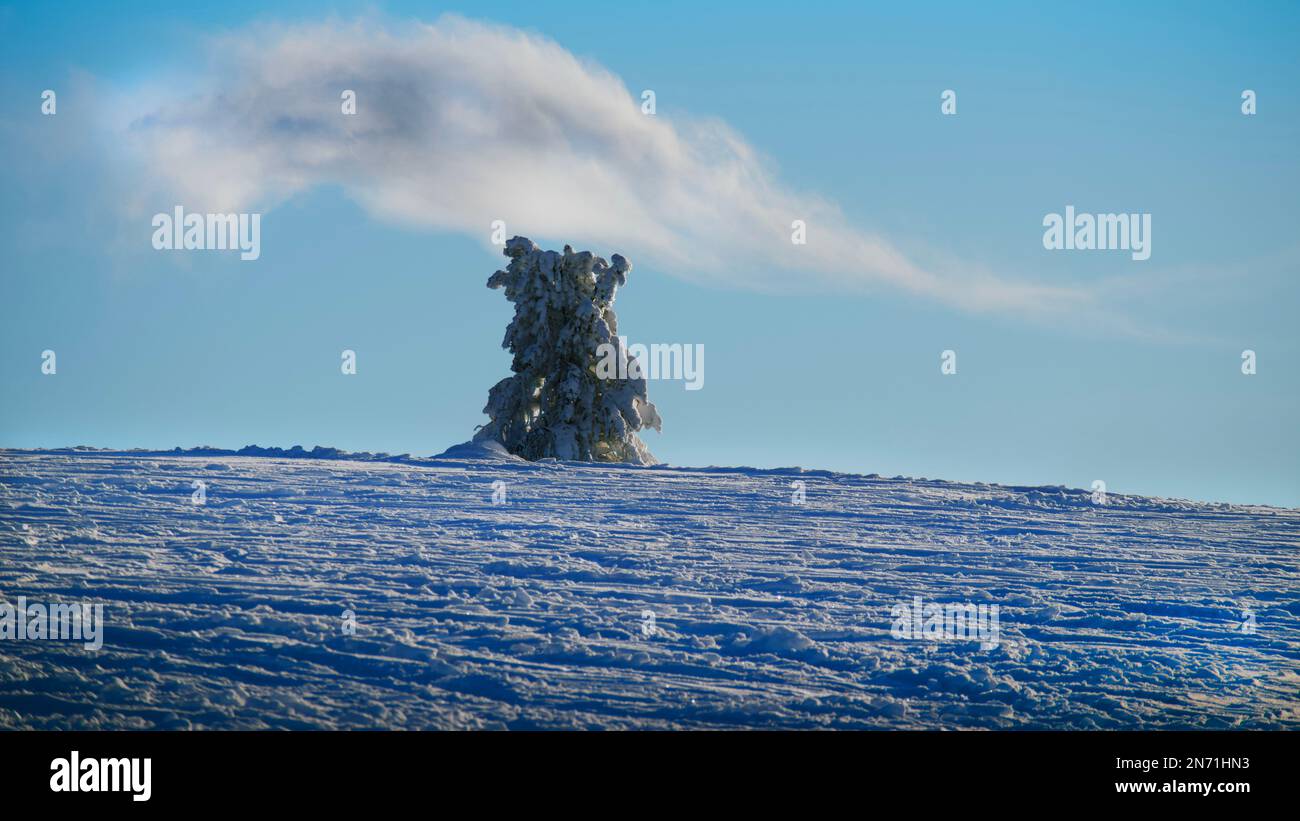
1111 110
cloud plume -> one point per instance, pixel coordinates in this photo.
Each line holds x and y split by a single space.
460 123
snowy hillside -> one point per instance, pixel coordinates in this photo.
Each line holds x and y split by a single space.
594 596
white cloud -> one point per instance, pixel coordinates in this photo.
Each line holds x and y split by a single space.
460 123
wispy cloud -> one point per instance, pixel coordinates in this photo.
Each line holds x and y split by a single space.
460 123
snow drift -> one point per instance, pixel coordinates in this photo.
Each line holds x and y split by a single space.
319 591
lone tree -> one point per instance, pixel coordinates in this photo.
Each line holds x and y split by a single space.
559 402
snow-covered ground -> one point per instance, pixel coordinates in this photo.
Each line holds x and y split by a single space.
534 613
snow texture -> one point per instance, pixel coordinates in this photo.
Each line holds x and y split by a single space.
558 405
532 612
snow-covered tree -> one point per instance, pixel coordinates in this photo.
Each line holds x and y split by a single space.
559 402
